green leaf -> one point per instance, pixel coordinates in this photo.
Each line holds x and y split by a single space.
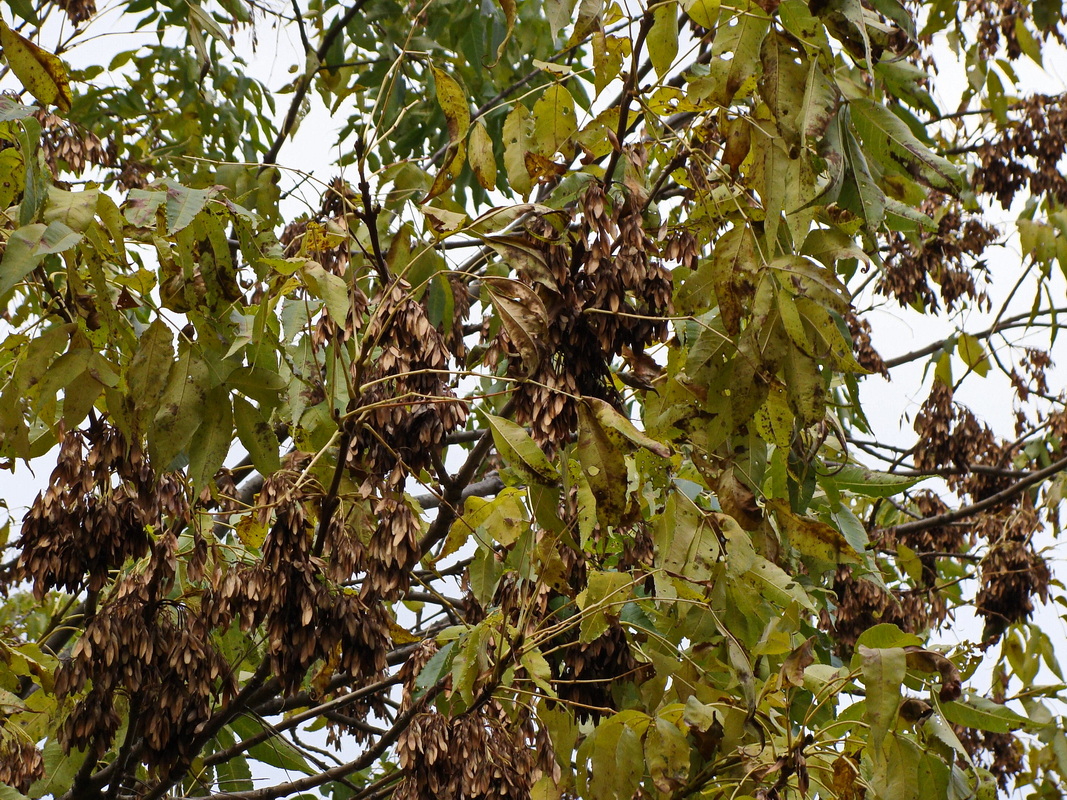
76 210
520 451
558 13
883 672
886 635
257 436
57 238
439 663
275 751
180 407
154 357
329 288
11 109
983 714
21 255
212 440
871 483
484 574
604 596
183 204
662 39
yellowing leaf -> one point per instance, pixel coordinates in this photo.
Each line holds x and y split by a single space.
704 13
41 72
620 431
251 531
453 103
518 141
812 537
520 452
481 157
972 353
554 121
603 466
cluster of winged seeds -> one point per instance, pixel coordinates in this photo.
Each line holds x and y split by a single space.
479 755
602 290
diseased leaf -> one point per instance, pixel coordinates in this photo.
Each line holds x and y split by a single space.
812 537
554 122
523 316
518 141
41 72
890 141
183 204
453 102
620 431
212 440
733 270
603 466
74 209
180 405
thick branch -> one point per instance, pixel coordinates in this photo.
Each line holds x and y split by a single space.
989 502
489 485
932 348
367 759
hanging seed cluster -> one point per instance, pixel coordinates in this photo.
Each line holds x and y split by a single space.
64 141
939 268
101 500
1012 572
306 617
603 291
475 756
21 762
471 757
408 406
156 652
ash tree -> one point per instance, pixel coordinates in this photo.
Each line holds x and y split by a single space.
531 453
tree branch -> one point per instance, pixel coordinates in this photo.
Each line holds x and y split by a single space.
989 502
304 83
